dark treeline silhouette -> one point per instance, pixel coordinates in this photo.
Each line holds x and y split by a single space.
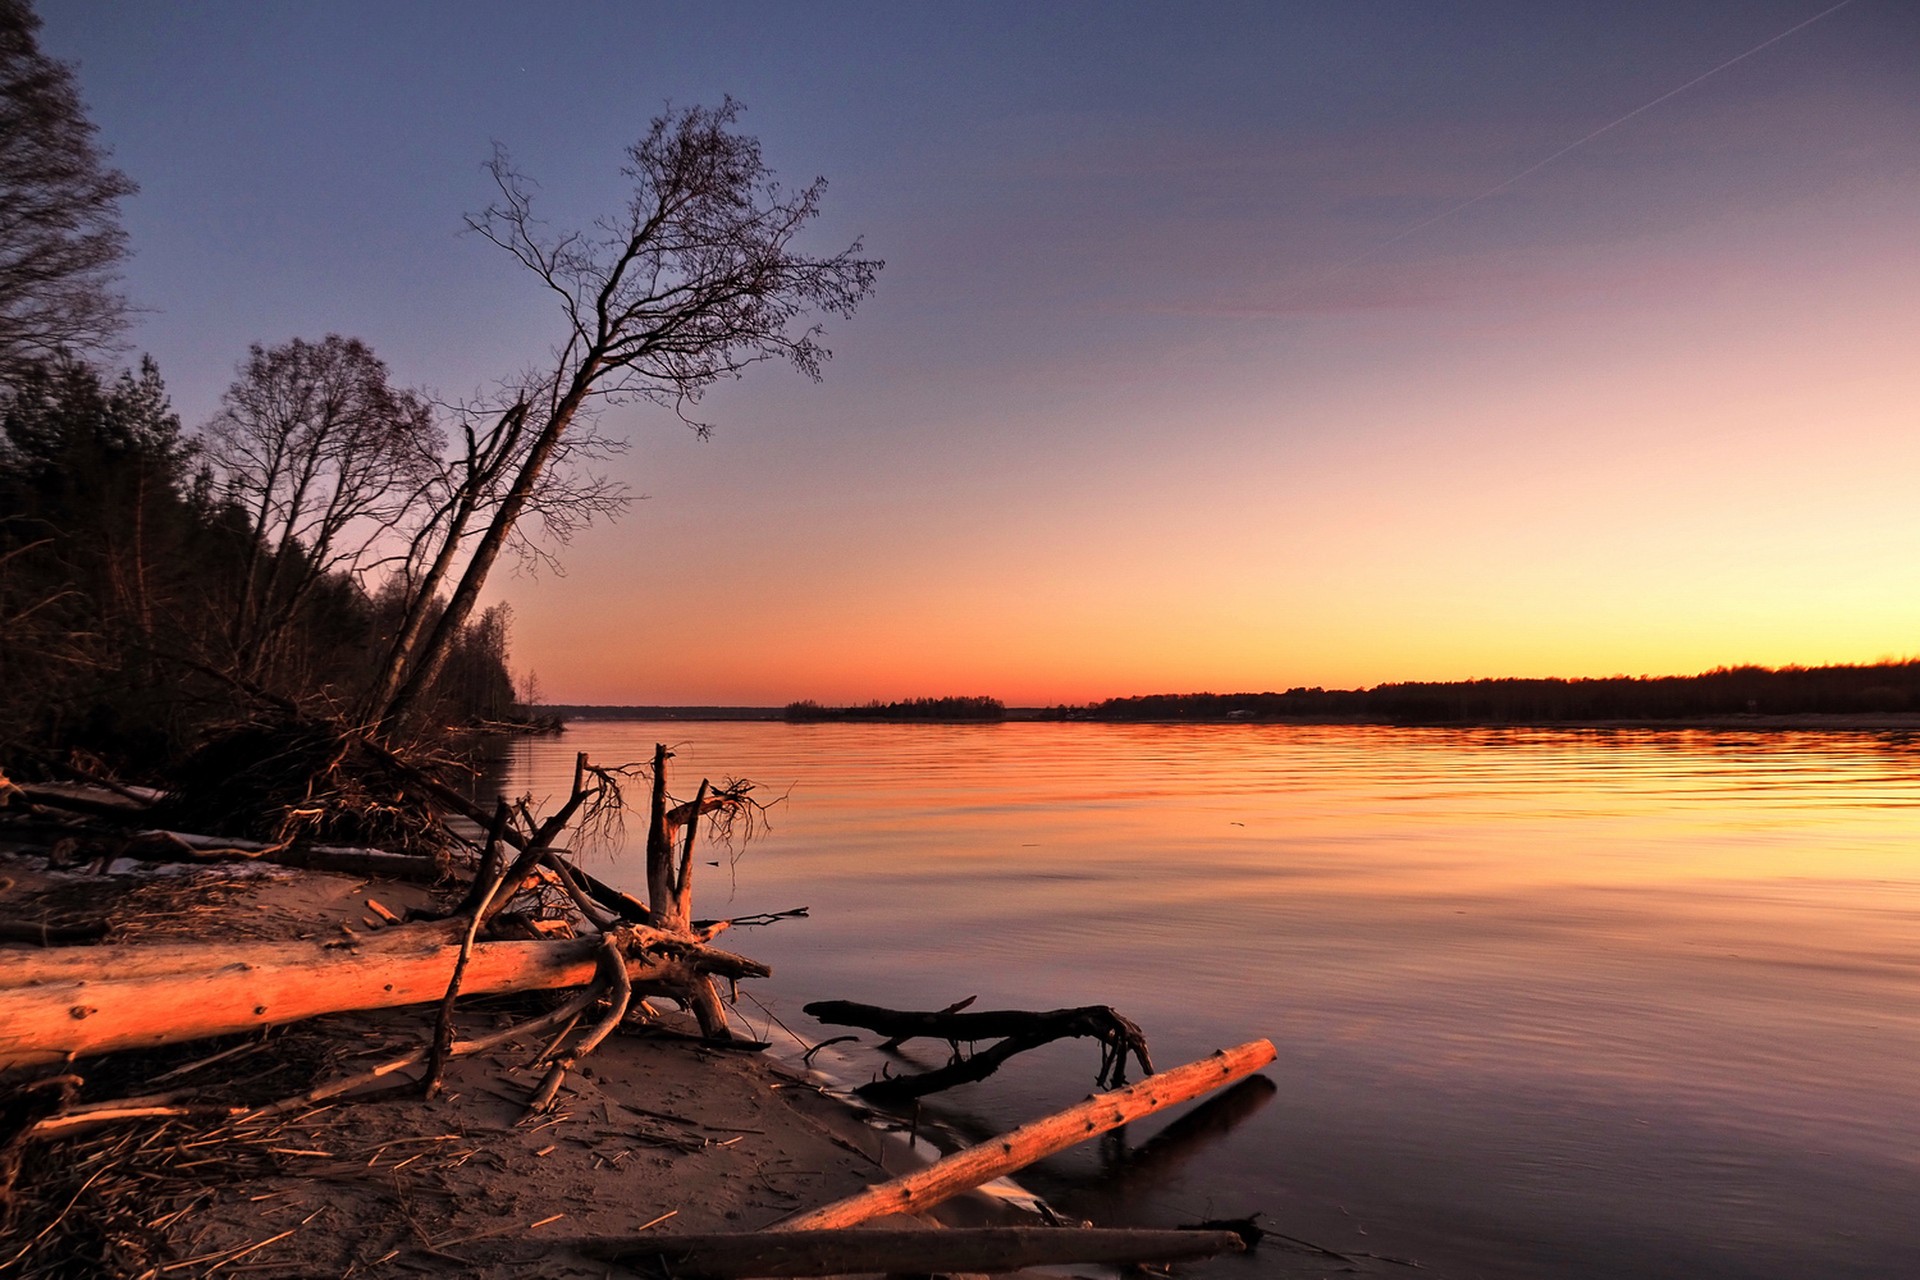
142 608
561 712
955 709
1726 692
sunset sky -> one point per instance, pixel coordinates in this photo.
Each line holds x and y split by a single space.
1231 346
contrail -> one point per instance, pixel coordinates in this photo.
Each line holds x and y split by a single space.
1534 168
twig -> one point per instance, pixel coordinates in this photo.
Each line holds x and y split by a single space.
443 1026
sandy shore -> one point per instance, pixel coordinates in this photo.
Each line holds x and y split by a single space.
653 1133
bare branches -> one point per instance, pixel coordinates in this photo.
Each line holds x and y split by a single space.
1017 1031
700 277
60 234
321 460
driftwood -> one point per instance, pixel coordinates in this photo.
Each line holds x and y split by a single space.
912 1252
669 895
1018 1030
1015 1150
178 846
620 995
155 1106
443 1025
154 845
96 999
563 1017
78 801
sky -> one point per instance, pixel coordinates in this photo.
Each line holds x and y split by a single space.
1219 346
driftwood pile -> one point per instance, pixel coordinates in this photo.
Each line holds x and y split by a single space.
71 999
75 1002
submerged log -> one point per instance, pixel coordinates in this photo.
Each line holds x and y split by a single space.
911 1252
1017 1029
1015 1150
137 997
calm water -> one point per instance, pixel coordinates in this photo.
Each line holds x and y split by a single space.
1570 1003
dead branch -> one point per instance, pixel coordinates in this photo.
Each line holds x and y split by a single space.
1017 1030
619 994
179 846
443 1026
683 883
460 1048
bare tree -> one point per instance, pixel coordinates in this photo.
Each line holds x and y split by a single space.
464 491
697 279
60 234
323 462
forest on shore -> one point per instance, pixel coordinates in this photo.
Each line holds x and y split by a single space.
948 709
1874 689
155 587
1862 692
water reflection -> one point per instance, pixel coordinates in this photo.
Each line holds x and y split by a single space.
1600 1003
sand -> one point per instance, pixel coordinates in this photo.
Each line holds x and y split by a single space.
653 1133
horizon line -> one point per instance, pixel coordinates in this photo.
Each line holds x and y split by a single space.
1726 668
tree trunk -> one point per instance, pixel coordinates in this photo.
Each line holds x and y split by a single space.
1015 1150
439 642
466 502
136 996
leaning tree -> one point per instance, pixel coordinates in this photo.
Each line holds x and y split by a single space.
700 276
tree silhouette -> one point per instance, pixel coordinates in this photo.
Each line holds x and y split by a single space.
699 277
60 234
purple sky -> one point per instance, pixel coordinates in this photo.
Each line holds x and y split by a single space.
1161 389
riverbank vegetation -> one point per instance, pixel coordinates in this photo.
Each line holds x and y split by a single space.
1876 689
956 709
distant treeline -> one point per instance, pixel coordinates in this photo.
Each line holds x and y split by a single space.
953 709
1877 689
568 712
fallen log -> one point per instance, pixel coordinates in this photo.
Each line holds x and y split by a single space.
156 845
87 800
180 846
1015 1150
134 999
117 961
910 1252
96 1115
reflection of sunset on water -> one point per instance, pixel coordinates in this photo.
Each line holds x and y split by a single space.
1582 1003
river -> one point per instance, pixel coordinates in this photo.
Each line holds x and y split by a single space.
1574 1003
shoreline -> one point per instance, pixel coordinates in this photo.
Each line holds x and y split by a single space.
655 1132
